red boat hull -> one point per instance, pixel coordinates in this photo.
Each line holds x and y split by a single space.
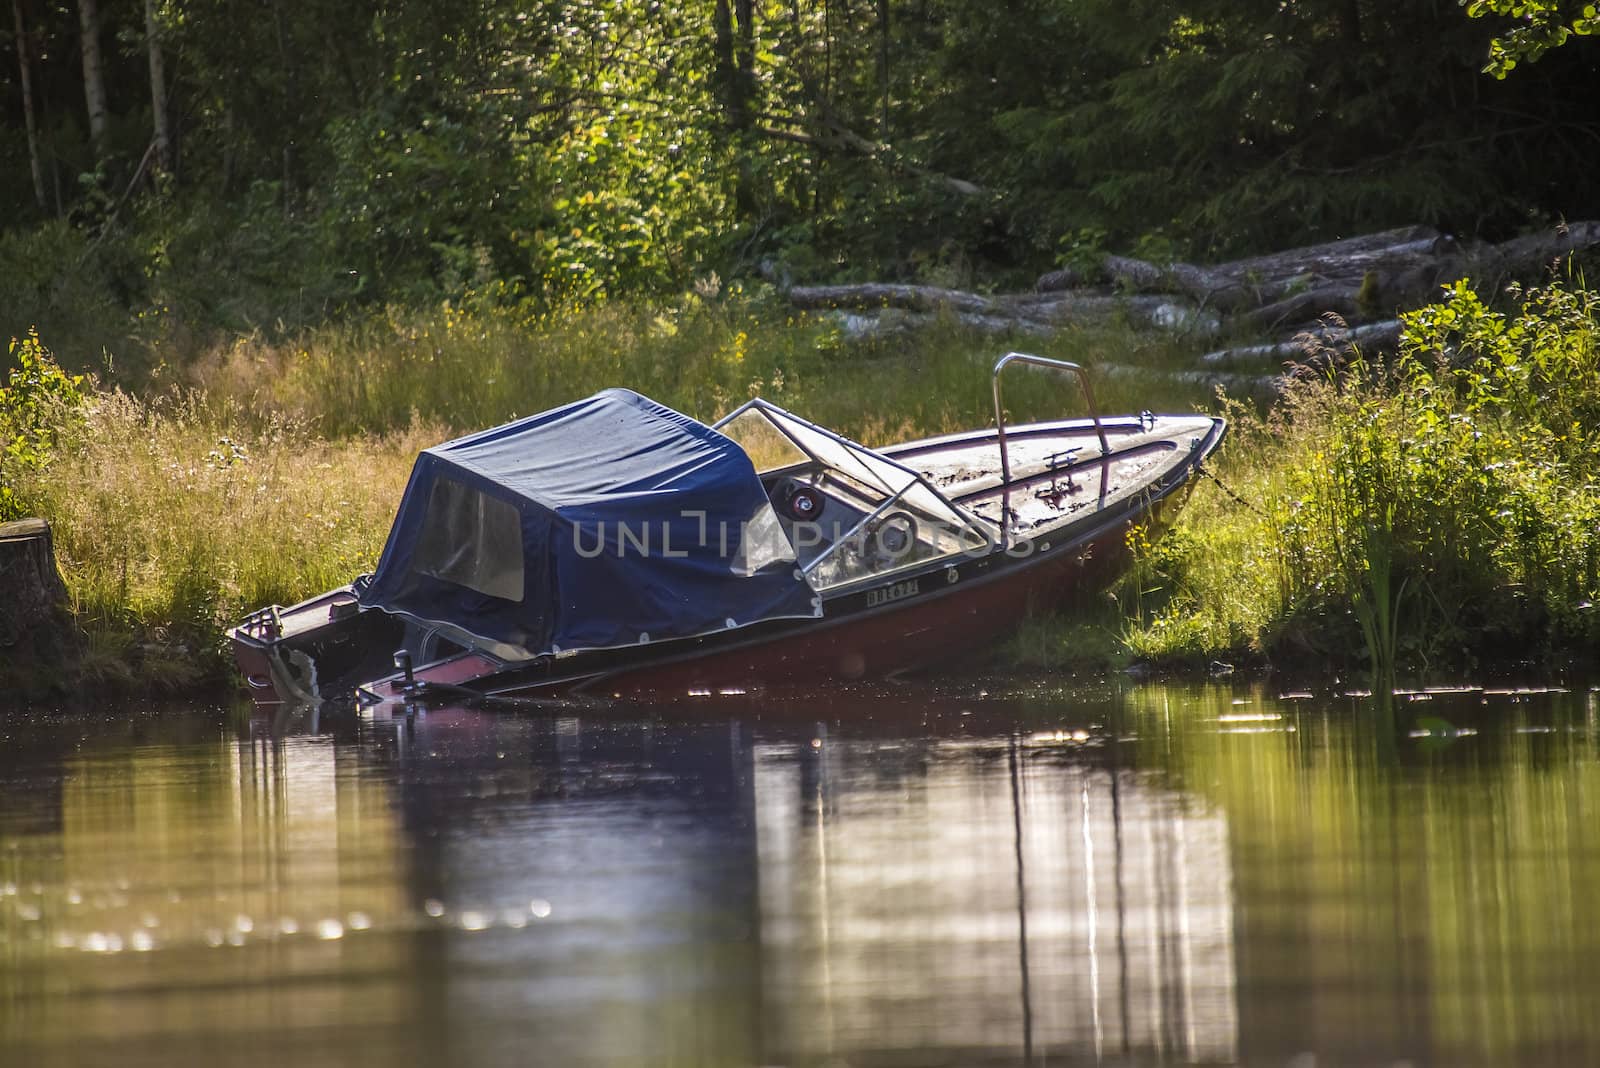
945 626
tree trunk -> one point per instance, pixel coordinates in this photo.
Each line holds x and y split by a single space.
745 12
165 160
94 79
291 102
727 71
35 595
883 68
25 62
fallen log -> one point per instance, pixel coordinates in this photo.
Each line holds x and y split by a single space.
1370 277
861 325
873 295
1057 280
1493 265
1061 309
1342 300
1027 312
1321 338
1235 383
1351 256
1264 279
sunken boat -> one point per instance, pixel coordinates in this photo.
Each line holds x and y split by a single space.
614 546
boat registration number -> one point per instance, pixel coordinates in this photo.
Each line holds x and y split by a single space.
892 593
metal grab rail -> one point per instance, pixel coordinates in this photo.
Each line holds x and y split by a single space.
1040 361
264 622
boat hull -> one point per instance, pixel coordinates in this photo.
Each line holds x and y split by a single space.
952 623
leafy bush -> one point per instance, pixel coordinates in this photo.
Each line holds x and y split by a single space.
76 293
37 402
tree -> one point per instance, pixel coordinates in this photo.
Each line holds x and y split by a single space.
165 158
25 63
94 79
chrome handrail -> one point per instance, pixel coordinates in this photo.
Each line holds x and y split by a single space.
1040 361
1000 425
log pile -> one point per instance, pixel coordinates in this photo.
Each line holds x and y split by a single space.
1316 298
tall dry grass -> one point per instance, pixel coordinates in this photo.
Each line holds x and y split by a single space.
177 514
468 369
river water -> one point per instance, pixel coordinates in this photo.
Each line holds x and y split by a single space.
1008 873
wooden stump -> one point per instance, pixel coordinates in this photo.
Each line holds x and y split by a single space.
34 628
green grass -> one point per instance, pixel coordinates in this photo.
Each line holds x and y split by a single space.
468 370
177 515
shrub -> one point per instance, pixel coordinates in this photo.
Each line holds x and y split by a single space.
37 402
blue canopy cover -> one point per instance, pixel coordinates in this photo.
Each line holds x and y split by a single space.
606 522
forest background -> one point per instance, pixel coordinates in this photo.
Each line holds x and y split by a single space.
180 171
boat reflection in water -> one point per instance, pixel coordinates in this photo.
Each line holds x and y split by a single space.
463 887
988 900
788 895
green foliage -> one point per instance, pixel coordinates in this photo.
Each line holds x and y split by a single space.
37 404
339 157
79 295
1439 512
1540 26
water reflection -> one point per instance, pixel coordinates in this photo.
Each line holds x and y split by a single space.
988 899
136 859
1160 875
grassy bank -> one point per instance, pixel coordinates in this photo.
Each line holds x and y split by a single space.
265 472
702 356
1427 514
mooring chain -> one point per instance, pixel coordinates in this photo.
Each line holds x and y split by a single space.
1206 471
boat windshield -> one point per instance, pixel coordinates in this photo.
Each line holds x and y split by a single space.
851 514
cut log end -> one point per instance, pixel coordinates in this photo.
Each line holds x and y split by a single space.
33 620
